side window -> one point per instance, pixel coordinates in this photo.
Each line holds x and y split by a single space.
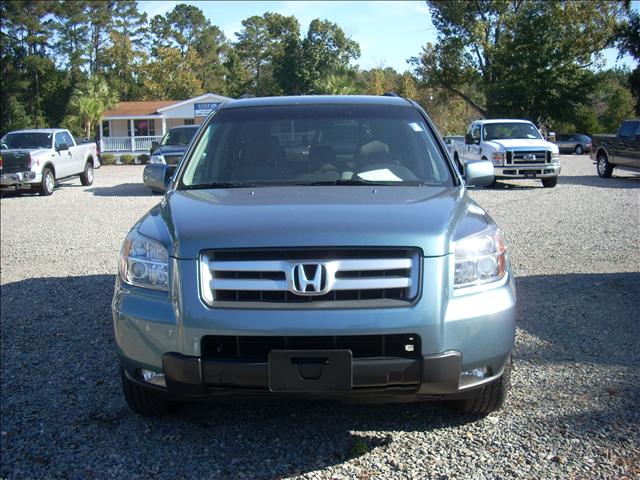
627 129
59 140
67 139
475 132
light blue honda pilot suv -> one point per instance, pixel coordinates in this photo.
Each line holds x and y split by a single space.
320 246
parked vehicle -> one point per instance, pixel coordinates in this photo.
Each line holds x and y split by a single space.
38 158
514 147
449 139
359 269
575 143
170 150
621 150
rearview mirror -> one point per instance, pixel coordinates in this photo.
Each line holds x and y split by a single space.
154 146
468 139
478 174
62 147
156 176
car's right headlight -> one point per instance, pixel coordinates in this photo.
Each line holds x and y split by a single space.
144 262
157 158
480 258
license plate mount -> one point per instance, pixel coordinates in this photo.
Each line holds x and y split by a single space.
299 371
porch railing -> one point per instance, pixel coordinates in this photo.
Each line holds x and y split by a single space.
127 144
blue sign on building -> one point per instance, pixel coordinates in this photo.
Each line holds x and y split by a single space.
204 109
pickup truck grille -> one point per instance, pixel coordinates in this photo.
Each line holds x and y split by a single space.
528 157
310 278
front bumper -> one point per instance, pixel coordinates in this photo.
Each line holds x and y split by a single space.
542 170
459 332
18 178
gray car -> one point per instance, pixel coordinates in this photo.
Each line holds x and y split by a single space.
575 143
318 246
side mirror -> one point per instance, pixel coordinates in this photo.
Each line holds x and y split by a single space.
156 176
468 139
62 147
478 174
154 146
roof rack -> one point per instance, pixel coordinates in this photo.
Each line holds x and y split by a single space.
391 94
247 95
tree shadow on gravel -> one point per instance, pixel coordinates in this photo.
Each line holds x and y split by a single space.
122 190
591 318
615 182
63 413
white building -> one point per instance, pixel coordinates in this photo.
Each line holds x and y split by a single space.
132 126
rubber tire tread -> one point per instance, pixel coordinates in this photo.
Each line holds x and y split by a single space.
143 401
608 170
549 182
492 396
41 189
83 176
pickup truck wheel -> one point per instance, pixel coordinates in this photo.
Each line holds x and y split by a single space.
86 177
549 182
48 183
141 400
579 150
604 168
491 397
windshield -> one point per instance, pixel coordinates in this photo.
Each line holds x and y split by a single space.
178 136
503 131
316 145
30 140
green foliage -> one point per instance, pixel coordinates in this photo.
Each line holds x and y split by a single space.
528 58
143 159
127 159
107 159
89 101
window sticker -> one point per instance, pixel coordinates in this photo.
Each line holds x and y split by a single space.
415 127
382 175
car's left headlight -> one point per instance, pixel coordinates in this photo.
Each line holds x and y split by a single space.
157 158
144 262
480 258
555 157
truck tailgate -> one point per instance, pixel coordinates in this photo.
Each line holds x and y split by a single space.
14 161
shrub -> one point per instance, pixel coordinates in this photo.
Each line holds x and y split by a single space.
107 159
143 159
127 159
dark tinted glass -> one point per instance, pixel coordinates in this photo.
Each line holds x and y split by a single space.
179 136
503 131
27 140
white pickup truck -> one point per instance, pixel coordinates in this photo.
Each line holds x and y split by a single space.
515 147
38 158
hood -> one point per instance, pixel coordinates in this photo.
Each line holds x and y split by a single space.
522 144
424 217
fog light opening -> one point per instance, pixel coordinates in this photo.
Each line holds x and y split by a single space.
154 378
475 375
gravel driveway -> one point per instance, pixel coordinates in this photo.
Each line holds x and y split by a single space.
574 410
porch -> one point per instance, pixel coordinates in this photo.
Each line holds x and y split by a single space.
137 134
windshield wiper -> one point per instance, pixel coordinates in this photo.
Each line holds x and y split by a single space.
392 183
204 186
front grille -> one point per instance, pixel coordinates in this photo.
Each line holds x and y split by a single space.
256 349
527 157
270 278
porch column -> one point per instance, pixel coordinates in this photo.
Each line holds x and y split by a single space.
164 126
101 142
131 135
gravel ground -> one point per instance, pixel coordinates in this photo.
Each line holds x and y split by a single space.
573 412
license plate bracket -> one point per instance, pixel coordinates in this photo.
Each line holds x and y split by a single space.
310 370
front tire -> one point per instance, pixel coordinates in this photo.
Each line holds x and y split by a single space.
603 167
86 177
491 397
549 182
579 150
141 400
48 183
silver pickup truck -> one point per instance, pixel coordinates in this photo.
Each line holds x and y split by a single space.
38 158
317 247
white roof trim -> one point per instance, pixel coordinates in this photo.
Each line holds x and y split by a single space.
219 98
131 117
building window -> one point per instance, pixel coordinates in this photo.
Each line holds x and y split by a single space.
144 128
105 128
188 121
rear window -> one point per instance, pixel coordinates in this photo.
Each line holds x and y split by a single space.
179 136
27 140
316 144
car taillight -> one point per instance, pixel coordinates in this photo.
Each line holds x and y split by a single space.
0 162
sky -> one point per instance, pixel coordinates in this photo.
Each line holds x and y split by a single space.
389 32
